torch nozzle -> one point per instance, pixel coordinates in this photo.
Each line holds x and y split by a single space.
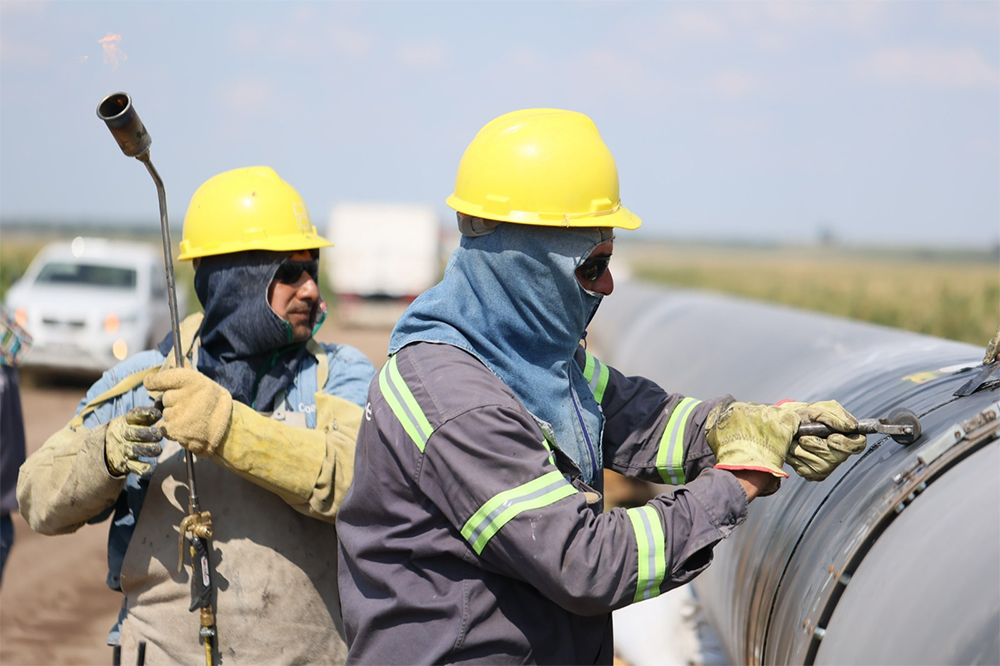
119 115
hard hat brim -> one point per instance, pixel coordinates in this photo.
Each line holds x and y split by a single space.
272 244
619 217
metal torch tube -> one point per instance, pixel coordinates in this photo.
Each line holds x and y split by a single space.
175 327
119 115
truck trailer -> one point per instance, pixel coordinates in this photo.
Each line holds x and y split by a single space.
383 256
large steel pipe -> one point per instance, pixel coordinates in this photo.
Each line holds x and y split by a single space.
895 559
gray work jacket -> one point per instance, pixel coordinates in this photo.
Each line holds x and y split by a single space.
467 536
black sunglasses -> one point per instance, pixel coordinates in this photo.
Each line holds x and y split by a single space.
592 269
290 272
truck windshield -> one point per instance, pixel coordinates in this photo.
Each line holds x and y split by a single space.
91 275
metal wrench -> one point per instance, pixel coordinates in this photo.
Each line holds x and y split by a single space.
901 424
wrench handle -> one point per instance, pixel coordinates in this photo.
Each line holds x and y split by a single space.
865 427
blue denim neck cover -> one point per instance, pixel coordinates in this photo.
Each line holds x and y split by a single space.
511 299
245 346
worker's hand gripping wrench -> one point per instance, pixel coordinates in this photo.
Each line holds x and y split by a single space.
901 424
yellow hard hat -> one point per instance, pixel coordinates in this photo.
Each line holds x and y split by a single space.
541 166
247 209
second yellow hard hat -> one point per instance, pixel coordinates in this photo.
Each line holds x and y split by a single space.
546 167
247 209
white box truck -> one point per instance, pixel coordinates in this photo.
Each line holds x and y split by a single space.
383 256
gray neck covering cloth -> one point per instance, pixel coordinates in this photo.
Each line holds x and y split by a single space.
510 297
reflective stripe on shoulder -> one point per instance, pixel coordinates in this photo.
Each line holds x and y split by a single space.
650 545
596 374
504 506
403 404
670 455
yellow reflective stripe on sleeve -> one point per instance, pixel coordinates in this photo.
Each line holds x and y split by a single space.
548 447
403 404
596 374
503 507
650 546
670 455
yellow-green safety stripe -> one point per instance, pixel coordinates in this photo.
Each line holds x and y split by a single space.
403 404
670 455
596 374
503 507
650 546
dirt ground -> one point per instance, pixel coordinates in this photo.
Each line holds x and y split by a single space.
55 608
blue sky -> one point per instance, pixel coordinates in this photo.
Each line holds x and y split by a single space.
749 120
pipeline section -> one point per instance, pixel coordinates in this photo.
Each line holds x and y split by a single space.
894 559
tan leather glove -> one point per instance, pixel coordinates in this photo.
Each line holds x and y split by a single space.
131 437
202 416
747 435
815 458
992 349
196 410
278 457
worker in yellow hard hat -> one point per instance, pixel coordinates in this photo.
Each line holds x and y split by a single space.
475 529
272 416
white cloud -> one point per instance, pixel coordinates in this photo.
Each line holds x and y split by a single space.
769 27
930 66
16 47
21 52
699 25
978 15
351 41
855 17
733 84
424 55
243 106
668 26
611 73
246 95
24 7
304 38
527 57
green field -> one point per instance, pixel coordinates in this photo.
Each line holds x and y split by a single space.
950 294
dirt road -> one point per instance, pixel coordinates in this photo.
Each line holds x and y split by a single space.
55 608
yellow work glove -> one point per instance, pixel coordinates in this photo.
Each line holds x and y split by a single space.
203 418
815 458
281 458
751 436
992 349
131 437
196 410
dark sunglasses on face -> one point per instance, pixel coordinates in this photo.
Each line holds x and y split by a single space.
290 272
593 269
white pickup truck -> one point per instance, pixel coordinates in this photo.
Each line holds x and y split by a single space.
91 302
